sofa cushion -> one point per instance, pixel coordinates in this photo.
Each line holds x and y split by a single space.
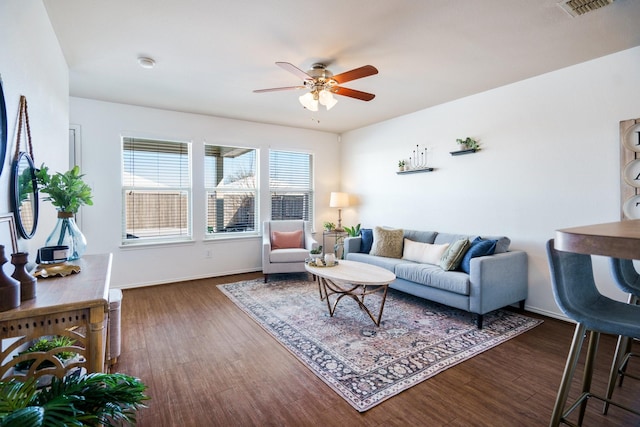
366 234
453 255
420 236
502 244
288 255
384 262
478 247
387 242
423 252
434 277
286 239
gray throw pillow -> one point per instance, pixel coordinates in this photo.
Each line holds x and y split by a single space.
451 258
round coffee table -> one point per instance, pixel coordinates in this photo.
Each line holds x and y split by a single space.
354 279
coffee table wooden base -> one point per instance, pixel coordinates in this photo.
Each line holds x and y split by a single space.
353 279
357 292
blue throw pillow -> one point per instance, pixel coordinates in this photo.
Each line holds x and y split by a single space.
479 247
367 240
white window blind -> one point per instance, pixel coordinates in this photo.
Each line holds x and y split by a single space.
231 188
291 185
156 190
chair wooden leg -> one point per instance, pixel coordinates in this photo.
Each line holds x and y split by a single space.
265 278
479 321
567 376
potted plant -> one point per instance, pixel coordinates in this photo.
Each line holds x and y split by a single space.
401 165
46 344
67 192
328 226
317 252
353 231
77 400
468 144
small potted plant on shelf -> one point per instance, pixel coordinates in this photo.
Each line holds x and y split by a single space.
468 144
328 226
46 344
401 165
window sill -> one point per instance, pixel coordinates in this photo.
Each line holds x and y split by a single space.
147 244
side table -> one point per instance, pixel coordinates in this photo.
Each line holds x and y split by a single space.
338 240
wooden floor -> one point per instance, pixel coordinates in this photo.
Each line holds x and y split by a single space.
208 364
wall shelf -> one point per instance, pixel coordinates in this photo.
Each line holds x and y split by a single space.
461 152
415 171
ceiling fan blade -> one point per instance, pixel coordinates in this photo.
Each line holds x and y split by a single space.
295 70
352 93
357 73
274 89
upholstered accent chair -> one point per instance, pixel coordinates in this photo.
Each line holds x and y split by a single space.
285 245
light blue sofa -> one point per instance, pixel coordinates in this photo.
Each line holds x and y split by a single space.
495 281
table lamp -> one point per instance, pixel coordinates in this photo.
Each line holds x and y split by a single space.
339 200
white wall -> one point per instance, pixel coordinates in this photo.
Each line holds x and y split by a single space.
550 159
102 125
32 64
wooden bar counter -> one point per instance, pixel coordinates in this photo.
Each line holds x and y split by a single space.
76 306
615 239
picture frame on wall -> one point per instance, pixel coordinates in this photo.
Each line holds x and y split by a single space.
9 239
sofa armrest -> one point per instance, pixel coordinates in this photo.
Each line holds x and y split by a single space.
498 280
351 245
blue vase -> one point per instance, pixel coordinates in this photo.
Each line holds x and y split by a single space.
67 233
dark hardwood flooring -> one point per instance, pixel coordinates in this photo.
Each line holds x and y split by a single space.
208 364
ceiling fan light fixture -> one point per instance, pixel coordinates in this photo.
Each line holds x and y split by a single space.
309 101
326 98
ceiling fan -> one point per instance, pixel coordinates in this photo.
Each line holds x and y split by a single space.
322 84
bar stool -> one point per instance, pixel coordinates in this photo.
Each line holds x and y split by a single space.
576 294
627 279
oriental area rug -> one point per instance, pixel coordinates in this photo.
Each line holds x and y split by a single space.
363 363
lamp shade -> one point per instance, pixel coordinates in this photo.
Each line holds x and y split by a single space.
338 200
327 99
309 101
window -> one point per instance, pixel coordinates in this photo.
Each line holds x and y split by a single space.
231 189
291 185
156 191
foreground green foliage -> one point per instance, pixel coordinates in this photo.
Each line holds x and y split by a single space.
95 399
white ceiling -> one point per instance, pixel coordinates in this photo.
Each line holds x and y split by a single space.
210 54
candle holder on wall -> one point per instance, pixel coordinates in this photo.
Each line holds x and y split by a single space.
417 162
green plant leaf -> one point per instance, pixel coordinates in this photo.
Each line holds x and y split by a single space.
66 191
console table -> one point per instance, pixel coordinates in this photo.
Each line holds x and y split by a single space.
76 306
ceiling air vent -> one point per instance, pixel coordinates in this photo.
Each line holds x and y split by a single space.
580 7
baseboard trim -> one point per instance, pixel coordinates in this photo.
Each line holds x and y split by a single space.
184 279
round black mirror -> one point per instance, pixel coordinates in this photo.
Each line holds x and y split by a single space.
3 128
24 195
